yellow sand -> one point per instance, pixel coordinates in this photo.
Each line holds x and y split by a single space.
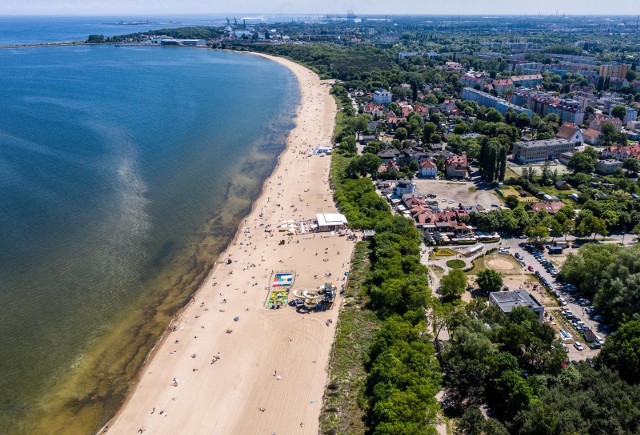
239 394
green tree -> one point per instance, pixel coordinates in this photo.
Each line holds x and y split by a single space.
453 285
428 130
489 281
493 115
512 201
621 352
587 268
537 234
619 112
95 39
582 162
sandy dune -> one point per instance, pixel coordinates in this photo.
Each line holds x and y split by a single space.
271 373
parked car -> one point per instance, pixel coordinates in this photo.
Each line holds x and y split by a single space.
578 345
530 268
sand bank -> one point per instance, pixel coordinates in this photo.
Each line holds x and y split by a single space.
271 371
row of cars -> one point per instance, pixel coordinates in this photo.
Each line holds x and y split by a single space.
595 340
539 255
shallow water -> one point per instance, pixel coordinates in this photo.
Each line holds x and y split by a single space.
124 171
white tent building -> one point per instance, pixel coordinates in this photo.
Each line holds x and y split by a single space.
330 221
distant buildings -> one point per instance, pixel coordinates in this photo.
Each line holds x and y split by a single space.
544 103
527 81
541 150
488 100
613 70
382 96
507 301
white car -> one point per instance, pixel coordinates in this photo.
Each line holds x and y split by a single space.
578 345
444 199
451 201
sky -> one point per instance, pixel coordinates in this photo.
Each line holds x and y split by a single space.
362 7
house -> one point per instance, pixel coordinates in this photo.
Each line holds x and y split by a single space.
608 167
428 169
388 155
405 186
570 131
550 207
591 136
382 96
599 120
622 153
456 166
509 300
562 185
448 105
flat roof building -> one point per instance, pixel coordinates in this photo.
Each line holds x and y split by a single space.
507 301
541 150
330 221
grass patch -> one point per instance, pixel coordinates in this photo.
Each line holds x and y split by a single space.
357 328
456 264
473 189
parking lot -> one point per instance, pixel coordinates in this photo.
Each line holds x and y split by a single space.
459 192
579 318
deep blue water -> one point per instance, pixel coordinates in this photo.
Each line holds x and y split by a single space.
112 160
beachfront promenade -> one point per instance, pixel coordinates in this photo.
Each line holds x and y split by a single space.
266 371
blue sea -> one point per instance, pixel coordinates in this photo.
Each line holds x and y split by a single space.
124 171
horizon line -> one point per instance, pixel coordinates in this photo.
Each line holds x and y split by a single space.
212 14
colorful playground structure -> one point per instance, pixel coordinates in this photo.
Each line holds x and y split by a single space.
279 289
318 299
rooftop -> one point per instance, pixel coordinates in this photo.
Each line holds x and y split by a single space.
509 300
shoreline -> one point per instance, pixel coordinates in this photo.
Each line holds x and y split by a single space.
315 101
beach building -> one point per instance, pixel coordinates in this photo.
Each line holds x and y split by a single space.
330 221
509 300
541 150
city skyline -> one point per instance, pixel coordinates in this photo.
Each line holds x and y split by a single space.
373 7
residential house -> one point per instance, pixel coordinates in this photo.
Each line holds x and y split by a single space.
622 153
456 166
608 167
562 185
382 96
599 120
570 131
591 136
388 155
428 169
488 100
405 186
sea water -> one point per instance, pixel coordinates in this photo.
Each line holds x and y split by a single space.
124 171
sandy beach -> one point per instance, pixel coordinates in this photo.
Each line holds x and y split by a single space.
271 371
